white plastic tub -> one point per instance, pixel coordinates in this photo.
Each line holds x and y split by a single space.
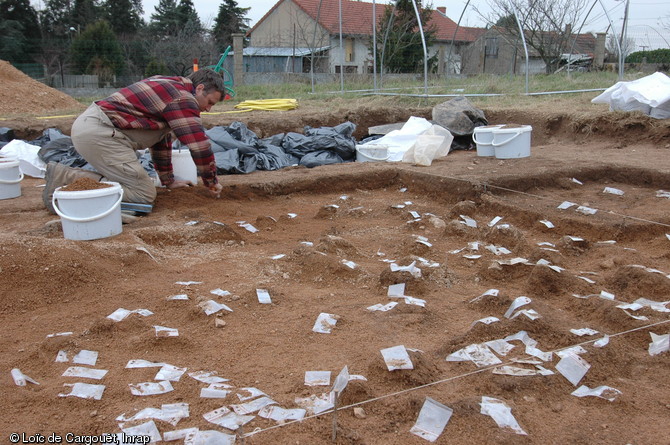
89 214
10 178
483 137
512 141
183 166
372 153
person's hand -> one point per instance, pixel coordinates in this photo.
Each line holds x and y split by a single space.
179 184
215 190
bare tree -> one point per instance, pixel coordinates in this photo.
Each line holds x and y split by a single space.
179 51
547 24
627 46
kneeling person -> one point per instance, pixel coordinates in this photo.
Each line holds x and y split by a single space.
145 114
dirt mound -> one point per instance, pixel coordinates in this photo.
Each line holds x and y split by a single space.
19 92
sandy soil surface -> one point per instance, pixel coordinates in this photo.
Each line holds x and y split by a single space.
326 240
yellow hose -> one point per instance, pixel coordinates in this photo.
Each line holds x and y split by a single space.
268 104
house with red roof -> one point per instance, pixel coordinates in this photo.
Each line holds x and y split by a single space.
294 30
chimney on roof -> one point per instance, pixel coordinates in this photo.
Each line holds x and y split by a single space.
442 10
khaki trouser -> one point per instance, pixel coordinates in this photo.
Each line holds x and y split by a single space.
112 152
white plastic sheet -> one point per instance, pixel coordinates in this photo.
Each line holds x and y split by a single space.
30 163
650 95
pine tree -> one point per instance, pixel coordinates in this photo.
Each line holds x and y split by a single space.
19 31
97 51
231 19
187 15
124 16
165 21
84 13
56 18
403 52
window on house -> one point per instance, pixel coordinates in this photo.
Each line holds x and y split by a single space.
349 50
491 47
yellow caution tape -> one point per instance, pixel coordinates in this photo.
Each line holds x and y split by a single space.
268 104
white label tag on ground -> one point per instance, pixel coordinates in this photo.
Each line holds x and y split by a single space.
171 413
495 221
397 357
341 381
212 307
584 331
572 367
317 378
325 323
316 404
604 392
263 296
516 304
659 343
226 418
207 377
139 363
20 379
500 346
547 223
481 355
252 406
170 372
143 431
85 357
382 307
411 268
486 320
490 292
469 221
84 391
88 373
177 297
396 290
586 210
501 414
278 414
566 205
613 191
169 436
121 313
162 331
220 292
432 420
61 357
250 393
215 391
188 283
150 388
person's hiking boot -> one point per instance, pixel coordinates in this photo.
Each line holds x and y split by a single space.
58 175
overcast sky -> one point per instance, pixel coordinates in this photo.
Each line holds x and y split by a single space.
647 18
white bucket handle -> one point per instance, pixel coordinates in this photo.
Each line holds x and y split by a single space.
508 140
477 142
372 157
90 218
2 181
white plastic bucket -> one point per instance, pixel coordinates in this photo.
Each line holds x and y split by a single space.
512 141
372 153
89 214
10 178
483 137
183 167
